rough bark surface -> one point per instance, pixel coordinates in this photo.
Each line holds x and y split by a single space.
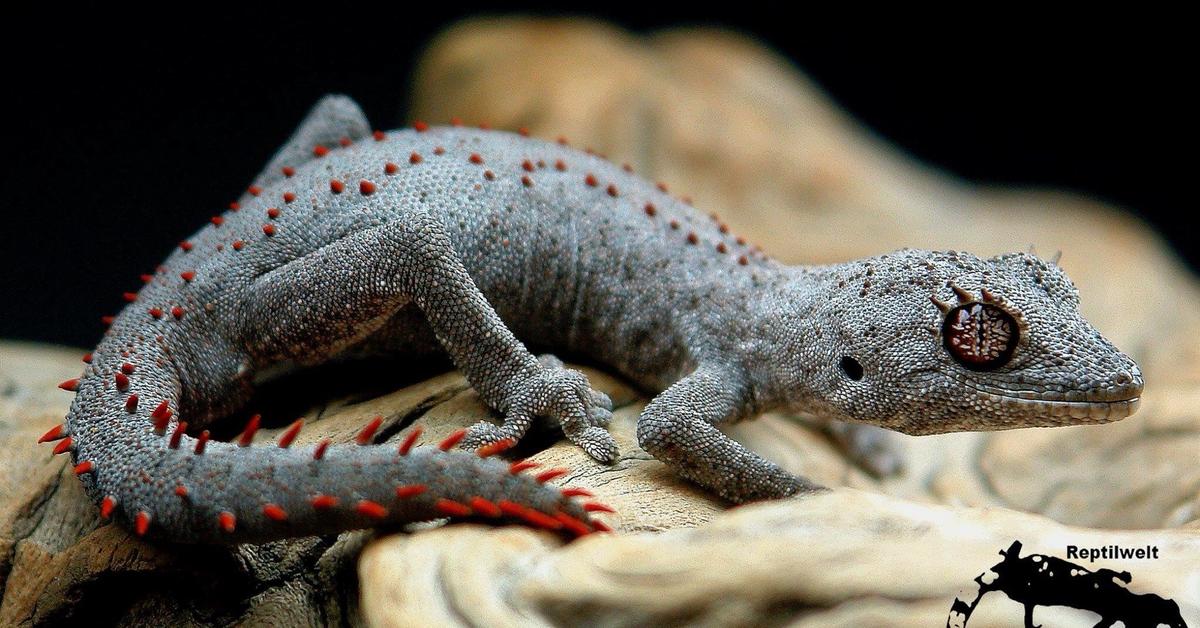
748 137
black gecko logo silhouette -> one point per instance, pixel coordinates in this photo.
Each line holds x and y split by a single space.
1038 580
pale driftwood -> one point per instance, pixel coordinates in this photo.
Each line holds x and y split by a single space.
844 558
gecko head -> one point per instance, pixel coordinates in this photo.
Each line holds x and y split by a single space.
926 342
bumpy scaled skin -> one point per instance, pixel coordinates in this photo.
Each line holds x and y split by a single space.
467 240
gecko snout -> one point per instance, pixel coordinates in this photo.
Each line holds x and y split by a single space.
1123 386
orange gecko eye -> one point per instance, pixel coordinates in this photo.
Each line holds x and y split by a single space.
980 336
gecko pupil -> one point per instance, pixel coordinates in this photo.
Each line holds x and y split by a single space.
981 337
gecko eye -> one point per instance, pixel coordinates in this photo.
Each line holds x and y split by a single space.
980 336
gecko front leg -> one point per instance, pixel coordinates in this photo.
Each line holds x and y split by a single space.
873 448
679 428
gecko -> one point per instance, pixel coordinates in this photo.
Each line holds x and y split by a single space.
504 251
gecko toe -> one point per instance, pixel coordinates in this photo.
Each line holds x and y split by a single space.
483 433
601 400
597 443
599 416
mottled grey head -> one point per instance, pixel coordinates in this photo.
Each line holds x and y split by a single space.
926 342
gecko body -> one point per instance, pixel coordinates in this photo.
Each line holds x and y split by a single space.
491 246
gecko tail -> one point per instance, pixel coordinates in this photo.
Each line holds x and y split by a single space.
195 490
134 453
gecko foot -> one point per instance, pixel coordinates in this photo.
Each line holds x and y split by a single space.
562 395
874 449
601 409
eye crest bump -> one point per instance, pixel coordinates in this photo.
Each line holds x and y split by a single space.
964 298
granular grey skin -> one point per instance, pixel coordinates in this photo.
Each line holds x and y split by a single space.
472 241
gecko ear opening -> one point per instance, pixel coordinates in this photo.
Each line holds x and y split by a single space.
851 368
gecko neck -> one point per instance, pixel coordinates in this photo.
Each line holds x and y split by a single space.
783 336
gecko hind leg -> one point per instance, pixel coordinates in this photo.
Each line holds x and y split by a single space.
372 274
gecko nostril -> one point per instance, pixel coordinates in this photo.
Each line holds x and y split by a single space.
1121 386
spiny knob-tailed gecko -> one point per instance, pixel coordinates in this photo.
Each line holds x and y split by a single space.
483 243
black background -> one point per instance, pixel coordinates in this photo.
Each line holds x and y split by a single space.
130 131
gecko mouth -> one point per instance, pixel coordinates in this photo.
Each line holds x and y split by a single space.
1010 410
1102 404
1064 412
997 409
